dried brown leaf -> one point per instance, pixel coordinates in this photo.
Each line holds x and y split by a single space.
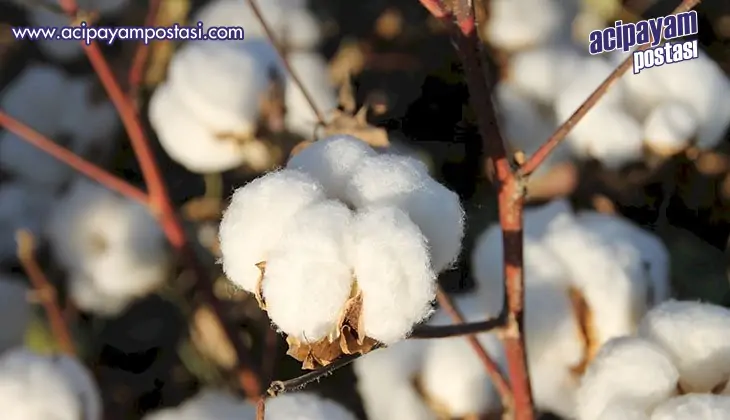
587 329
259 294
210 338
355 125
348 60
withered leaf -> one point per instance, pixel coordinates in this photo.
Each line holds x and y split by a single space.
587 329
259 294
357 126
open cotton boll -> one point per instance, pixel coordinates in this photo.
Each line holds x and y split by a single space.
89 297
60 50
692 334
221 83
15 311
185 139
302 29
453 375
590 74
405 183
516 25
312 70
89 122
622 412
558 65
239 13
622 233
612 280
31 164
255 221
670 128
207 405
307 279
36 387
331 161
21 207
390 261
693 407
385 382
305 406
627 370
643 91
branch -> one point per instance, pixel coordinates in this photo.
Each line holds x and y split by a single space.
142 52
45 290
68 157
160 204
282 54
544 151
467 328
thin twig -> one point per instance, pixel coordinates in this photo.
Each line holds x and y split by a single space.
45 290
160 204
544 151
268 363
468 328
142 52
261 408
282 54
493 370
68 157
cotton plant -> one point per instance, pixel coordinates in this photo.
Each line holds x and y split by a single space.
215 405
41 387
674 367
589 278
15 311
112 249
609 133
206 113
22 206
47 13
316 243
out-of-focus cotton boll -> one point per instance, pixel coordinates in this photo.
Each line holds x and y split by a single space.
89 122
453 375
404 182
385 382
107 241
255 221
185 139
60 50
307 278
621 234
390 261
302 30
643 91
207 405
331 161
221 83
693 407
518 25
313 71
21 207
629 371
305 406
692 334
706 90
15 311
557 67
31 164
104 7
87 295
670 128
35 387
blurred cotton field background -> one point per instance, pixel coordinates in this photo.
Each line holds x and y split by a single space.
341 244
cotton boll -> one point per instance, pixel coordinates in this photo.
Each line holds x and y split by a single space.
517 25
239 13
207 405
21 207
403 182
35 387
692 407
31 164
88 296
89 124
643 91
307 278
391 264
186 140
670 128
15 311
255 220
61 50
626 370
692 333
331 161
622 233
558 66
313 71
305 406
221 83
384 382
302 29
622 412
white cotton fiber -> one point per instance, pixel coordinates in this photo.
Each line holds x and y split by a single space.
313 71
557 66
391 265
308 279
670 128
305 406
695 336
35 387
207 405
331 161
626 370
255 221
694 407
403 182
